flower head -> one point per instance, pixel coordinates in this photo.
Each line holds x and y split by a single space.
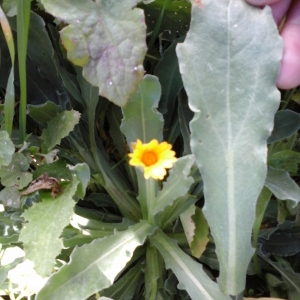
153 157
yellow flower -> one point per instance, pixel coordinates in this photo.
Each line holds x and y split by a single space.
153 157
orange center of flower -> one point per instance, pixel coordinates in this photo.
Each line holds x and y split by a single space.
149 158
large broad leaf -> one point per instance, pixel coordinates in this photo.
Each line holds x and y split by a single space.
7 149
232 91
46 221
189 273
94 266
106 38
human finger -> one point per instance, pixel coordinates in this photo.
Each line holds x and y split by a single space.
262 2
279 7
289 75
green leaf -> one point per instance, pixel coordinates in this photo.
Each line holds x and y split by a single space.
15 174
189 273
89 93
185 115
7 149
125 287
225 81
286 160
115 63
9 102
286 123
94 266
71 85
177 185
167 71
288 275
43 82
141 119
200 238
83 174
154 264
282 185
282 243
176 19
43 113
10 197
96 225
188 223
9 229
58 169
179 206
285 144
114 117
10 7
59 127
46 221
261 205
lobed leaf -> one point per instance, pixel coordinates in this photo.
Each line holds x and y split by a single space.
226 81
95 266
201 235
46 221
59 127
107 38
7 149
141 118
83 174
10 197
16 173
177 185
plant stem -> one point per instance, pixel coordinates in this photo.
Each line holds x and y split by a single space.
9 103
150 196
23 18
